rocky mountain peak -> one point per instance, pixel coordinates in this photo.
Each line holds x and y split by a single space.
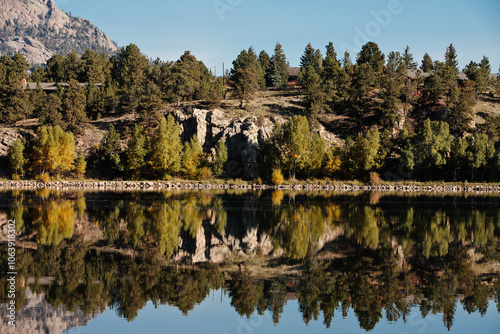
48 30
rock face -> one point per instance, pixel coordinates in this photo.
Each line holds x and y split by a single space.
38 30
244 137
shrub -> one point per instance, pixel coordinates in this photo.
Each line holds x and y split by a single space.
44 177
204 173
277 177
375 178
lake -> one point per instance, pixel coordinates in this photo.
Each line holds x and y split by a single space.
235 261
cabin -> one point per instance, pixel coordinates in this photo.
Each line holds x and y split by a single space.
293 75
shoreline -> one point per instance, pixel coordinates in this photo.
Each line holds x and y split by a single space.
437 187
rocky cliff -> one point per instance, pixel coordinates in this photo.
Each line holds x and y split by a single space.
244 136
38 30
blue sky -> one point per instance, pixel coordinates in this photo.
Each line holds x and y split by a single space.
217 30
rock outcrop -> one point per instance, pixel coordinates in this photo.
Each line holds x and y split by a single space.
244 137
38 30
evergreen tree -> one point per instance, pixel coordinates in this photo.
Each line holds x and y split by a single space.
92 68
244 76
370 54
109 153
215 93
191 158
265 62
451 61
427 64
166 148
49 111
136 153
433 89
408 59
220 158
130 69
331 74
391 89
149 107
72 66
460 113
311 58
186 77
73 104
311 82
14 100
314 90
360 93
56 68
16 159
279 68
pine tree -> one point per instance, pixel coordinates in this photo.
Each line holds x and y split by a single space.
16 159
265 62
136 153
408 59
14 100
311 58
370 54
427 64
391 89
220 158
186 76
149 107
166 148
49 111
109 153
73 105
311 82
244 76
92 68
331 74
279 68
129 71
360 94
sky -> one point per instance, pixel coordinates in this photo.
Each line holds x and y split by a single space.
216 31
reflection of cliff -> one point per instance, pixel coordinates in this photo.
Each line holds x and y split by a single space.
38 316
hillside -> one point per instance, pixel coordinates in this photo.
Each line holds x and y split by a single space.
38 30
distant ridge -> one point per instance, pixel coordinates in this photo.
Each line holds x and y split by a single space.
38 30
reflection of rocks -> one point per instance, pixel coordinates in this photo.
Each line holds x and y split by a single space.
38 316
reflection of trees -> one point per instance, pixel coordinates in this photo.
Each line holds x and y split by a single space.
436 239
245 293
54 221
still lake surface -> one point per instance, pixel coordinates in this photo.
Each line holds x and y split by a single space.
252 262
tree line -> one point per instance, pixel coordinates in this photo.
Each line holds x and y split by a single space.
425 117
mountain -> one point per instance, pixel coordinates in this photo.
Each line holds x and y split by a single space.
38 30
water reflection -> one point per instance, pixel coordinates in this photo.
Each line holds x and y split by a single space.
379 256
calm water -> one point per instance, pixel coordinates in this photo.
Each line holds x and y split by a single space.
252 262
